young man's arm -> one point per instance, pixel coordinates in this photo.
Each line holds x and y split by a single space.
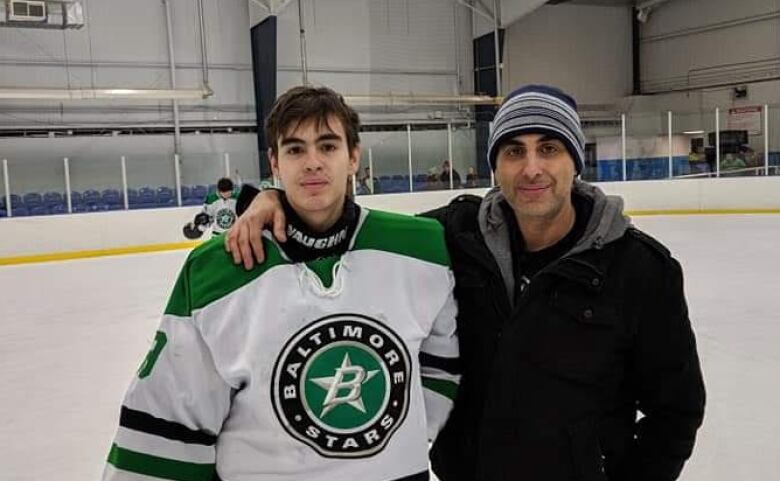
174 409
440 367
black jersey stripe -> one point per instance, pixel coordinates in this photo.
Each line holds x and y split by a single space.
422 476
146 423
449 365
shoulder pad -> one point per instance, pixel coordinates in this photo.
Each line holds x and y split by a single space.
649 241
467 199
462 206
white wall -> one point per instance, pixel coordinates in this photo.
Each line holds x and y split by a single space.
40 235
379 47
124 45
699 44
583 49
707 42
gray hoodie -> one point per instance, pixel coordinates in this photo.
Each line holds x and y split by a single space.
607 224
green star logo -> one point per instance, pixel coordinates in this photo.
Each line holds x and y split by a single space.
352 394
341 385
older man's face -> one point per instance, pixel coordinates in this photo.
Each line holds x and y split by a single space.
536 174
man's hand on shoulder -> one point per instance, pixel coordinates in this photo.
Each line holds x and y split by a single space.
245 241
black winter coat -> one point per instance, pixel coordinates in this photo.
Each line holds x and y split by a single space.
551 389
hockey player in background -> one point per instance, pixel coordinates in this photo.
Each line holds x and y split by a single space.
219 211
572 321
333 360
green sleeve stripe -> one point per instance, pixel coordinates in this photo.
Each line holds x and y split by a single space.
179 302
157 467
211 198
210 274
447 389
417 237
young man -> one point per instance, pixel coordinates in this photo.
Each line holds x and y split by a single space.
219 210
571 320
220 207
332 360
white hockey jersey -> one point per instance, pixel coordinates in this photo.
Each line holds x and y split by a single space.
341 368
222 212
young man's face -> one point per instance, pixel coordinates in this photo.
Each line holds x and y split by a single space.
314 163
226 194
536 174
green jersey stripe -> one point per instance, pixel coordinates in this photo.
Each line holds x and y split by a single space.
447 389
211 198
157 467
416 237
210 274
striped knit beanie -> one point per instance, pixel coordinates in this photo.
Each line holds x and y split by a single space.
538 109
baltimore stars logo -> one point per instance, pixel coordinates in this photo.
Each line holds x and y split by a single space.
341 385
225 218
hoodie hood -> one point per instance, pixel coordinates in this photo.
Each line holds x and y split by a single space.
607 224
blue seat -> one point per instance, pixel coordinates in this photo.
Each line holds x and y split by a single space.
212 188
32 200
147 196
3 213
16 201
385 183
165 195
199 192
39 210
76 198
52 198
91 196
185 191
58 209
111 197
132 197
399 183
20 212
79 208
192 201
96 207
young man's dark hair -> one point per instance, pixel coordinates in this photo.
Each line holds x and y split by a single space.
224 185
304 103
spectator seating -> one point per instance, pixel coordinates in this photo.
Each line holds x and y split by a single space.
166 197
38 210
59 209
112 198
32 200
199 192
51 199
20 211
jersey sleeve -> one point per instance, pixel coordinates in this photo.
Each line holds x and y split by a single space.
210 206
439 366
175 407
